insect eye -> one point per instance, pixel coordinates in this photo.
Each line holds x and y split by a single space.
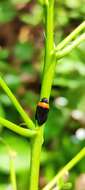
45 100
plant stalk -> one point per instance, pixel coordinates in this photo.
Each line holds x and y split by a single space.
49 68
17 105
69 48
13 174
35 159
19 130
66 168
45 92
71 36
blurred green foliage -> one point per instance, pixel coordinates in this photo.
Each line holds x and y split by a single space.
21 59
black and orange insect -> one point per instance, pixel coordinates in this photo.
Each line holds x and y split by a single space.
42 111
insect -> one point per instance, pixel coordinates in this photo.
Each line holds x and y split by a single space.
42 111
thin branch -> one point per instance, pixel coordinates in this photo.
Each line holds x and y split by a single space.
19 130
17 105
68 167
71 36
13 173
69 48
12 155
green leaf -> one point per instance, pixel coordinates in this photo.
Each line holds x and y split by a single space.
4 53
13 81
35 17
7 12
24 51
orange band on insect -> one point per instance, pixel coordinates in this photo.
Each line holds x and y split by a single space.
43 105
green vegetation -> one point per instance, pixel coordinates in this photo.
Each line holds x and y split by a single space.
22 38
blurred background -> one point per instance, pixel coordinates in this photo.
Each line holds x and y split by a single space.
21 62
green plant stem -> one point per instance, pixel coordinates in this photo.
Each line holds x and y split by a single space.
13 174
49 68
19 130
35 159
48 32
45 92
66 168
21 111
48 79
71 36
69 48
12 155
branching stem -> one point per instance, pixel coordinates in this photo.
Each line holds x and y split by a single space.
66 168
45 92
17 105
68 49
48 74
71 36
19 130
